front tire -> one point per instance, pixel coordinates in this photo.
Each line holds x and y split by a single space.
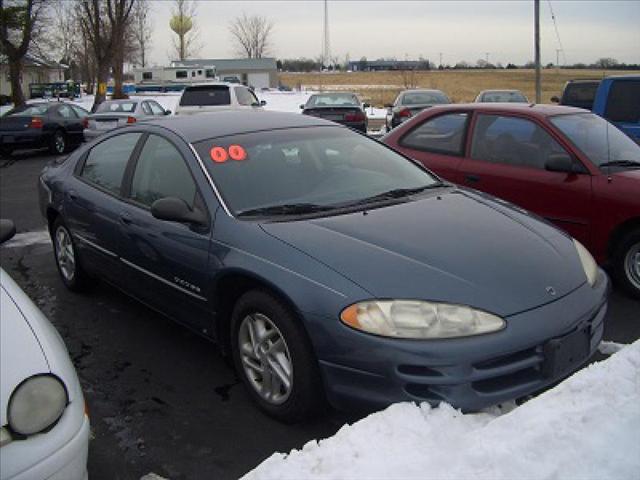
274 358
70 269
58 143
626 263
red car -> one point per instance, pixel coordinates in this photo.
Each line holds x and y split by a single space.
563 163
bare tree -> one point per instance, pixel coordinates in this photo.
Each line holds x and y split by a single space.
141 29
251 35
184 26
105 25
21 23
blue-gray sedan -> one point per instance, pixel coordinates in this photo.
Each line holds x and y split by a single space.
328 265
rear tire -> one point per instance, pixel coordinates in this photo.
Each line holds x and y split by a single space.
274 358
58 144
626 263
68 262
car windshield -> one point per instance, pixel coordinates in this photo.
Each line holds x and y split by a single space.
322 167
333 100
116 107
598 139
424 98
28 111
206 96
500 97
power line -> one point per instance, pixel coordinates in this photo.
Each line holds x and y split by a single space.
555 26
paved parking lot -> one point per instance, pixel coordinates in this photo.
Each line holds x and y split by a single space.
161 399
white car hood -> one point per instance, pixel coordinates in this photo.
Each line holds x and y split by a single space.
29 345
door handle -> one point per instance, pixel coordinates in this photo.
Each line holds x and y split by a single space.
472 178
126 218
72 195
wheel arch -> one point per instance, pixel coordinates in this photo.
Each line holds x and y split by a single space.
620 232
228 288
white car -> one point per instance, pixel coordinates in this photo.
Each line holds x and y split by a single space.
117 113
44 430
216 96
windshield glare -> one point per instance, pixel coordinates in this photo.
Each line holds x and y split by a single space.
324 166
333 100
424 98
598 139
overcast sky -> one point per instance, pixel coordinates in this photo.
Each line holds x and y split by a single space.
461 30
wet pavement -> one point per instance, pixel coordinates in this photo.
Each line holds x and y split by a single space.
161 399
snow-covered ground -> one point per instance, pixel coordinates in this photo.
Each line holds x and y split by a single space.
276 100
588 427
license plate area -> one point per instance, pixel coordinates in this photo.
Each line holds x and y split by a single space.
565 353
333 117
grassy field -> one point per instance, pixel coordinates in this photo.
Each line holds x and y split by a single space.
380 88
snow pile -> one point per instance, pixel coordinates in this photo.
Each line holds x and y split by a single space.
588 427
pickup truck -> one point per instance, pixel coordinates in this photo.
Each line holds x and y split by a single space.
615 98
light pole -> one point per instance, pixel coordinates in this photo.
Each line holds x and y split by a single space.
536 8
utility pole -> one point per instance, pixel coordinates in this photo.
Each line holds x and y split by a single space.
558 58
440 59
326 53
487 56
536 9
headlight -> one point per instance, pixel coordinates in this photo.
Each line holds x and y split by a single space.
36 404
418 319
588 263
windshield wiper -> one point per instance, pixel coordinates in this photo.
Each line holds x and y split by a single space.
397 193
621 163
285 209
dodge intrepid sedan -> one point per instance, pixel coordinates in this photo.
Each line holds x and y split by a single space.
328 265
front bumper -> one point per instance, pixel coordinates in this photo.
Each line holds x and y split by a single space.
536 350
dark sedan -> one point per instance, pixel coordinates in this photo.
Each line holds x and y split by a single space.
54 125
327 265
412 102
344 108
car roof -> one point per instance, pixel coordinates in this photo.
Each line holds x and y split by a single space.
211 84
430 90
203 126
532 109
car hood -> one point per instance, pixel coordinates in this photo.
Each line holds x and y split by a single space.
29 345
450 246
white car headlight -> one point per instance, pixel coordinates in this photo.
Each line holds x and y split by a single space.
419 319
588 263
36 404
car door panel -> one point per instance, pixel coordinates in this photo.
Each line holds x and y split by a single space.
165 262
507 161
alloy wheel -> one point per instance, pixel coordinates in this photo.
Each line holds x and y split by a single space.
632 265
265 358
58 142
65 254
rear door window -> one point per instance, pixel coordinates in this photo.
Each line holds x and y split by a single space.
206 95
245 97
65 111
161 172
623 104
513 141
156 108
106 162
441 134
146 109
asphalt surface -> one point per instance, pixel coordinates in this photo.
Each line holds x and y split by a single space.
161 399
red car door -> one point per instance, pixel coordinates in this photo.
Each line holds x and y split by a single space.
507 157
438 143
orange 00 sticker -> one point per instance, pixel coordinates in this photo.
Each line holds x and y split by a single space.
218 154
236 152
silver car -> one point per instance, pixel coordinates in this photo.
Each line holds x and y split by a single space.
116 113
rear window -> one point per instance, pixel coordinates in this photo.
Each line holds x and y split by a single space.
503 97
424 98
623 104
333 100
113 107
207 95
29 111
580 95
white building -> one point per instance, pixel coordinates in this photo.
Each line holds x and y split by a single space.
34 70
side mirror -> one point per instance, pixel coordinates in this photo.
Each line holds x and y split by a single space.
7 230
167 112
560 162
263 103
555 99
301 107
174 209
366 105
